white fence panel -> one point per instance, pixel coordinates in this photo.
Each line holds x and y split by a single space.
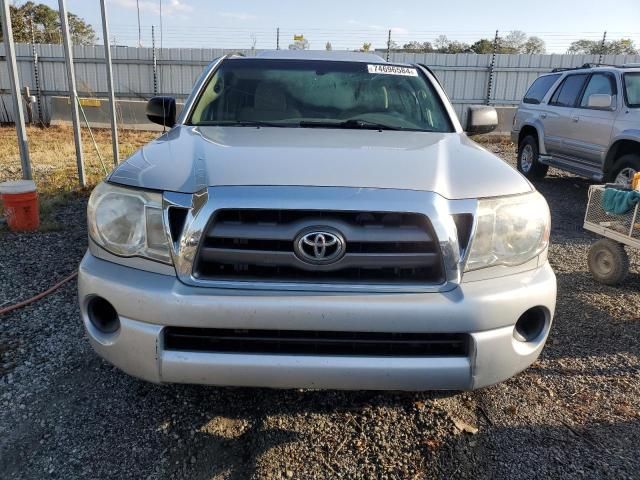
465 77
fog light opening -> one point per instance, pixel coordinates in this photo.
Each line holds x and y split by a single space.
102 315
530 325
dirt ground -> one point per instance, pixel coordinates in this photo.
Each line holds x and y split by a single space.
65 413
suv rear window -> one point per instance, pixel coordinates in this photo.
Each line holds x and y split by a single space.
632 89
567 93
539 88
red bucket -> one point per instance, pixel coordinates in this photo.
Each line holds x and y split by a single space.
20 201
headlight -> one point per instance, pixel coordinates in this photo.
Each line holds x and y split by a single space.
509 231
128 222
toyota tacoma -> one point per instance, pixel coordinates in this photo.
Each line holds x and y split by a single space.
317 220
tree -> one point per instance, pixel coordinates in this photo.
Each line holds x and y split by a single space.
595 47
441 43
44 22
366 47
513 42
534 45
482 46
328 47
254 40
458 47
422 47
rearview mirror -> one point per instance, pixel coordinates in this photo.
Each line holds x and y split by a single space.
599 100
162 110
481 119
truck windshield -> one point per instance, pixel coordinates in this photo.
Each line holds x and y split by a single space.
319 94
632 89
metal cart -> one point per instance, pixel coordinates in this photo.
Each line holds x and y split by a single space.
608 260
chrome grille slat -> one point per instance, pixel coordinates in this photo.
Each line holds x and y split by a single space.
289 259
289 230
258 245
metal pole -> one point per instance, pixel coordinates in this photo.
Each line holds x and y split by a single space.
112 98
155 61
602 47
10 53
73 95
388 44
278 38
139 29
491 69
36 74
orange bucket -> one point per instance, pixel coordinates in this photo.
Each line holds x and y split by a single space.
20 201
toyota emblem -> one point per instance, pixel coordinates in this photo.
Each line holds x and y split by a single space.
319 247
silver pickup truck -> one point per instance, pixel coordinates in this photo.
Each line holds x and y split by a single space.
317 220
583 120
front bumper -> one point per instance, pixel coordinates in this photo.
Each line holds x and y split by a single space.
147 302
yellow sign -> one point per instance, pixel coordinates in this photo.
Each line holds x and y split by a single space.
88 102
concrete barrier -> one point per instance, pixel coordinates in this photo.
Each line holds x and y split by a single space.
129 113
505 119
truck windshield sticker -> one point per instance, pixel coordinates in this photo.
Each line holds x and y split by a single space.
392 70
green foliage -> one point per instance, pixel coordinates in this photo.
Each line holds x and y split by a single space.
612 47
418 47
39 22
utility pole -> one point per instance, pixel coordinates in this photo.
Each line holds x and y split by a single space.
73 95
602 47
10 53
278 38
112 98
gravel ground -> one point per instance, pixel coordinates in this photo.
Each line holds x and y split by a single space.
65 413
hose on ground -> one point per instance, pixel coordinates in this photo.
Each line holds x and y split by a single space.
37 297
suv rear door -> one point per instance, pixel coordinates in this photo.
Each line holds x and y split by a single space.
558 118
590 134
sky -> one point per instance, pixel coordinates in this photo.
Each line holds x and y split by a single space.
348 24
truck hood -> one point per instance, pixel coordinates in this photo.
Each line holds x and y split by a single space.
187 159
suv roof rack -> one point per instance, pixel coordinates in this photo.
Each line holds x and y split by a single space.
595 65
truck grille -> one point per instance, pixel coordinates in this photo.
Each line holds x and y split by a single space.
301 342
379 248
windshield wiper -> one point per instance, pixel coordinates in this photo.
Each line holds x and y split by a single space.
243 123
355 123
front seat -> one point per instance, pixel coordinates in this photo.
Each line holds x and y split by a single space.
269 103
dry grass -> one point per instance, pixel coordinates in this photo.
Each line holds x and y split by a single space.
53 158
53 162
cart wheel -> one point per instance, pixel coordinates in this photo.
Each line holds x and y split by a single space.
608 262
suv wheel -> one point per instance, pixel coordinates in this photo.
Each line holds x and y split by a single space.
528 163
625 168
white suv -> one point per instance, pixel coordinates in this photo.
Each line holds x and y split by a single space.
584 120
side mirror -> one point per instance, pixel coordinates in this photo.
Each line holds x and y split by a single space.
481 119
162 110
599 100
